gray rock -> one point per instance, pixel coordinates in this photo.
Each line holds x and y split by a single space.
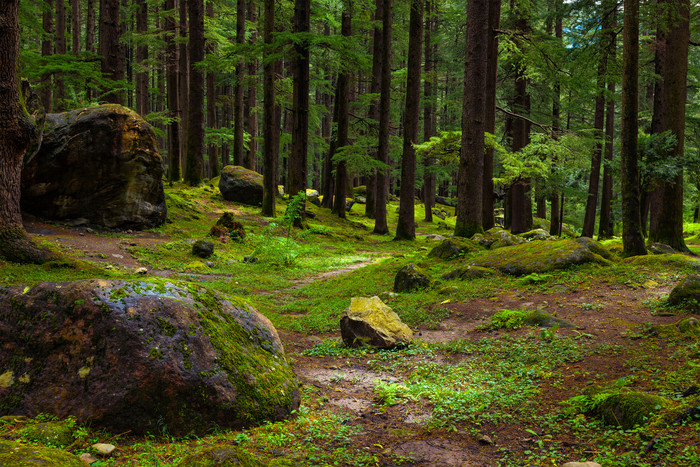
434 238
369 322
661 249
100 164
241 185
88 458
410 278
104 449
141 357
537 234
202 248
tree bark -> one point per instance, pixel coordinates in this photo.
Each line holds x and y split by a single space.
194 156
373 111
429 114
269 116
46 51
238 88
488 220
171 77
380 223
142 106
342 101
76 22
470 188
59 94
184 75
212 122
406 226
632 239
111 50
251 117
605 226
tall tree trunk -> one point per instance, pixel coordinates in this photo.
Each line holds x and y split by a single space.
605 227
194 157
15 133
142 106
59 94
328 180
488 220
429 114
341 100
75 28
269 117
373 111
380 223
556 200
111 50
406 226
300 104
212 122
238 88
184 74
470 189
251 118
668 212
171 67
46 51
632 239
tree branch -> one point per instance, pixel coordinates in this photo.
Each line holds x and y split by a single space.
546 128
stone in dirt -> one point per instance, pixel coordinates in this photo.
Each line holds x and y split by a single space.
241 185
541 256
661 249
103 449
141 357
221 456
16 454
410 278
100 164
369 322
687 292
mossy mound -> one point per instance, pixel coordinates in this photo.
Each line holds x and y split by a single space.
683 329
18 455
687 293
515 319
537 234
469 272
49 434
223 456
542 319
497 238
676 259
566 230
411 278
453 247
541 256
629 409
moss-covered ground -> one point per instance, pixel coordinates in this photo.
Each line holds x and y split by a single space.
477 387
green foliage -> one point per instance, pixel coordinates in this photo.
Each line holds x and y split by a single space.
507 319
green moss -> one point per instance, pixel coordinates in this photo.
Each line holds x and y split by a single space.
18 455
49 434
166 327
156 354
221 456
629 409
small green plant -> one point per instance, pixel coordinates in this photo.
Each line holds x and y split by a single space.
507 319
293 213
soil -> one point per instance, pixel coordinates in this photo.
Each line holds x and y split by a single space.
346 384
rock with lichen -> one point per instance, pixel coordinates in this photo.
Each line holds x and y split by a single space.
20 455
369 322
687 292
241 185
97 164
49 434
451 248
628 409
411 278
469 272
141 356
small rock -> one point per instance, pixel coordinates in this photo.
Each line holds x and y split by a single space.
89 230
203 248
82 234
103 449
581 464
141 271
88 458
249 259
486 439
209 264
411 278
368 321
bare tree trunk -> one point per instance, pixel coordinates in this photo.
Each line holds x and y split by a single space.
194 156
605 229
76 22
269 117
373 111
184 74
111 50
341 100
490 111
429 114
406 226
380 223
142 106
251 118
171 65
59 94
46 51
632 239
212 149
238 87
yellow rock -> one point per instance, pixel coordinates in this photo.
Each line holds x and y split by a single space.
370 321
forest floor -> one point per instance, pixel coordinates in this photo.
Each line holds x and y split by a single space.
460 395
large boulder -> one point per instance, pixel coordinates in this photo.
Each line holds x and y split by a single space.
100 164
543 255
141 357
410 278
453 247
687 292
369 322
241 185
497 238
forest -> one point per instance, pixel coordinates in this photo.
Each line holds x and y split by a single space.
198 199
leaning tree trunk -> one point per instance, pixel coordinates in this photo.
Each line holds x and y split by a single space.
16 130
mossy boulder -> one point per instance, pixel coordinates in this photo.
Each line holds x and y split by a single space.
411 278
221 456
542 319
141 357
687 292
566 230
99 164
660 249
540 256
453 247
241 185
537 234
203 248
683 329
313 197
227 227
628 409
677 260
497 238
19 455
360 190
49 434
369 322
469 272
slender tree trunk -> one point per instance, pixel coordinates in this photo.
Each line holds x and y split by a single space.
429 114
46 51
668 212
142 78
328 184
59 94
238 88
380 223
470 189
111 50
373 111
212 149
171 65
269 117
632 239
406 226
605 229
342 101
75 28
194 157
300 104
490 110
556 200
184 75
251 119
